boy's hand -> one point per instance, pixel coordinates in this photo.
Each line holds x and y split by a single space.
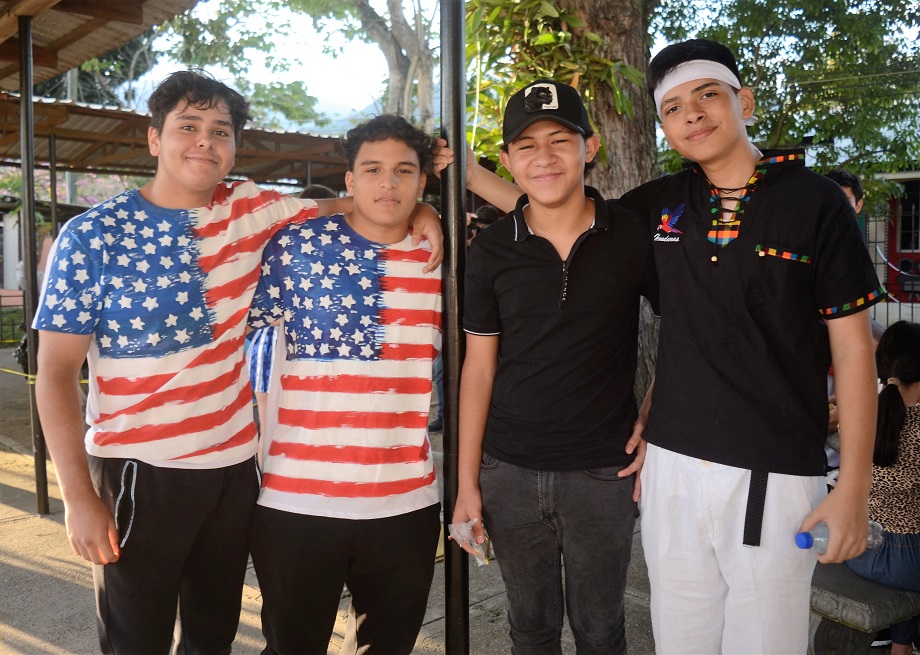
833 415
638 445
469 506
847 518
91 530
426 224
443 157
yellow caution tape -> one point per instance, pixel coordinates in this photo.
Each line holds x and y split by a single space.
30 376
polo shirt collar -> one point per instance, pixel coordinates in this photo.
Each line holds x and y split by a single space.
601 217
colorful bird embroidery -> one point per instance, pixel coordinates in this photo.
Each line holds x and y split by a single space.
669 220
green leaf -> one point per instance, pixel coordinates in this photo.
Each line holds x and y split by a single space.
547 9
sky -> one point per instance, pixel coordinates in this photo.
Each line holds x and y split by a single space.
343 85
346 83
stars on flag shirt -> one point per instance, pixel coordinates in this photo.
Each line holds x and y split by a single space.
165 294
348 407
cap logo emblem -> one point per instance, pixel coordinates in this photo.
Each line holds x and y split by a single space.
540 97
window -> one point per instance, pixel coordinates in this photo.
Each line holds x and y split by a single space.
909 215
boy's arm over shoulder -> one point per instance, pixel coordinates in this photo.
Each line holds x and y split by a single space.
425 223
641 198
639 227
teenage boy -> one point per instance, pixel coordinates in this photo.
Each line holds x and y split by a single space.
754 250
546 401
153 287
757 250
349 494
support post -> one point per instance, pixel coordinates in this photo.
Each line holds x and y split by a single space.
453 212
27 230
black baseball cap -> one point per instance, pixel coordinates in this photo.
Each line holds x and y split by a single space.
545 100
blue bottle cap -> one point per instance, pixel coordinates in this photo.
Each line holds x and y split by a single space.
804 540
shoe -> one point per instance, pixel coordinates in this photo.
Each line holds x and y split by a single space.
436 425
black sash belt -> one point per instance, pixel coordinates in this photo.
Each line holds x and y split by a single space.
753 516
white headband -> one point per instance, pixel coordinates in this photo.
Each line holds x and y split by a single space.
697 69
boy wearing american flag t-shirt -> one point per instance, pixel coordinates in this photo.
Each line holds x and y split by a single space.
153 288
349 494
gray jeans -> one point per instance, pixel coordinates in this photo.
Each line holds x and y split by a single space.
546 524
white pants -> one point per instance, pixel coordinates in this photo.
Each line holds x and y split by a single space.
710 594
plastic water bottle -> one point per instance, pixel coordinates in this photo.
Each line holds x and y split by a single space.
817 538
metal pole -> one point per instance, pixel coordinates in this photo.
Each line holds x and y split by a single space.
27 229
52 173
70 178
453 192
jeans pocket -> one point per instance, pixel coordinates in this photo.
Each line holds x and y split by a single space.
489 462
607 473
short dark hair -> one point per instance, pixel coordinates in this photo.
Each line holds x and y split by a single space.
198 89
680 53
847 179
487 214
317 192
389 126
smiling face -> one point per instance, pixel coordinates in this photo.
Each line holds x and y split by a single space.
195 150
385 183
548 160
703 120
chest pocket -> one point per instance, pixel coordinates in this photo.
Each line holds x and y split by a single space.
788 254
779 287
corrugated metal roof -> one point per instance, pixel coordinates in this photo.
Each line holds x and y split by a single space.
103 139
66 33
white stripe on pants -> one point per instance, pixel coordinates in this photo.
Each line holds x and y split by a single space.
710 594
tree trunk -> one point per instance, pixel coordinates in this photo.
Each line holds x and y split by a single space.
631 154
425 76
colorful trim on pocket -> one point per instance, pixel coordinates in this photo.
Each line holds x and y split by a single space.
783 254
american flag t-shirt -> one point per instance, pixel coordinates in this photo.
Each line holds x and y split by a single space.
348 407
165 294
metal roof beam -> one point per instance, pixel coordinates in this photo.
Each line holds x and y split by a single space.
125 11
9 19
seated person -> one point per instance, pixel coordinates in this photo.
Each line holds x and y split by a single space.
894 500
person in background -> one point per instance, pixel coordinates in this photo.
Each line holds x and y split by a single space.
437 377
852 189
894 499
486 215
851 185
349 494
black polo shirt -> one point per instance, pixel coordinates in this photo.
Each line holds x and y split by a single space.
562 398
744 352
